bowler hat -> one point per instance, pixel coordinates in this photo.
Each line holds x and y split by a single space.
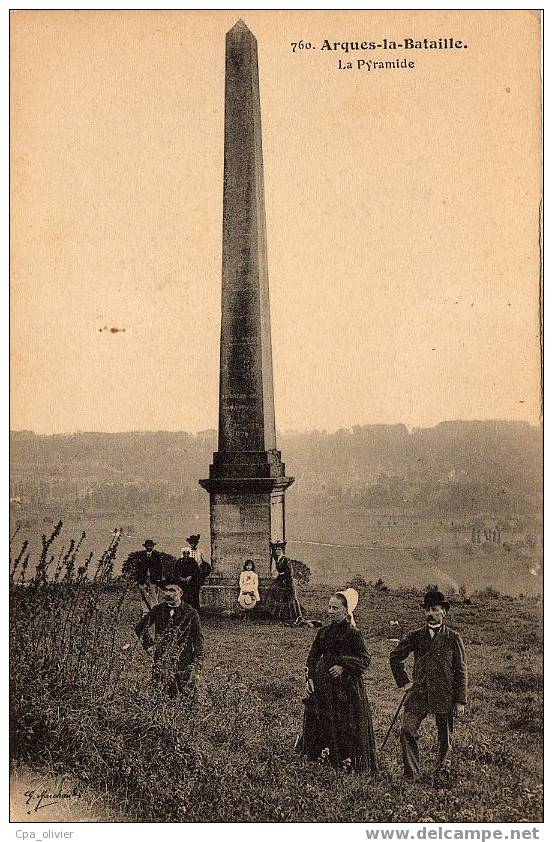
193 540
148 543
170 580
433 598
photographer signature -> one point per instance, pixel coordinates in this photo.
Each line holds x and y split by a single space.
44 798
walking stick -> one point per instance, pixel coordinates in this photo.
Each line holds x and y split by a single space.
394 720
144 599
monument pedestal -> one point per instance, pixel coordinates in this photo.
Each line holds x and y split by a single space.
220 594
246 513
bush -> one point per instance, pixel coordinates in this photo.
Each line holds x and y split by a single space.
359 583
62 659
489 592
302 573
74 710
379 585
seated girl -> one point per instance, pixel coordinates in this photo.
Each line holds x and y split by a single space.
249 586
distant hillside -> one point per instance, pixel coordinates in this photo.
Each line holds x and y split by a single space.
464 467
458 504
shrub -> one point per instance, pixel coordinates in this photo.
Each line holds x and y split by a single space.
62 659
71 710
359 583
62 643
302 573
489 592
379 585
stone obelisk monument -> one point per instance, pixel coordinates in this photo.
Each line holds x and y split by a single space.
247 479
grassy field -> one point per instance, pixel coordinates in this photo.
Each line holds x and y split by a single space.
230 757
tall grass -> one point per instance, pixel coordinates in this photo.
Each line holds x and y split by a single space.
62 642
75 705
83 703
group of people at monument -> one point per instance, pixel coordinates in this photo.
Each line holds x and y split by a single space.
337 720
150 569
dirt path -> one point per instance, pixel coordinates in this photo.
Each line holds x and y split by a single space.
44 797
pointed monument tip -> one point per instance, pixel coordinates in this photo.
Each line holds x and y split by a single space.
240 26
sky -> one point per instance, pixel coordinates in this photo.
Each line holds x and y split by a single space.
402 218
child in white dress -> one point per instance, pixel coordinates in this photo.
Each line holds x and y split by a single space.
249 586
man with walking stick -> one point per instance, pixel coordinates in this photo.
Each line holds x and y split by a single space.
439 686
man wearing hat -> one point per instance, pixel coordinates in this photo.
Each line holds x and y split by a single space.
192 571
177 648
147 568
439 685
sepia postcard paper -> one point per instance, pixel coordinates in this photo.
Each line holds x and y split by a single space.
294 256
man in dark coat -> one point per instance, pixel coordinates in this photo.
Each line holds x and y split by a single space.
439 685
148 567
191 570
177 649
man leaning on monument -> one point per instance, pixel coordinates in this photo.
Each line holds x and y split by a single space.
439 685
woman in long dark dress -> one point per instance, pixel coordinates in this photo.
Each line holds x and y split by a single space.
282 601
338 722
